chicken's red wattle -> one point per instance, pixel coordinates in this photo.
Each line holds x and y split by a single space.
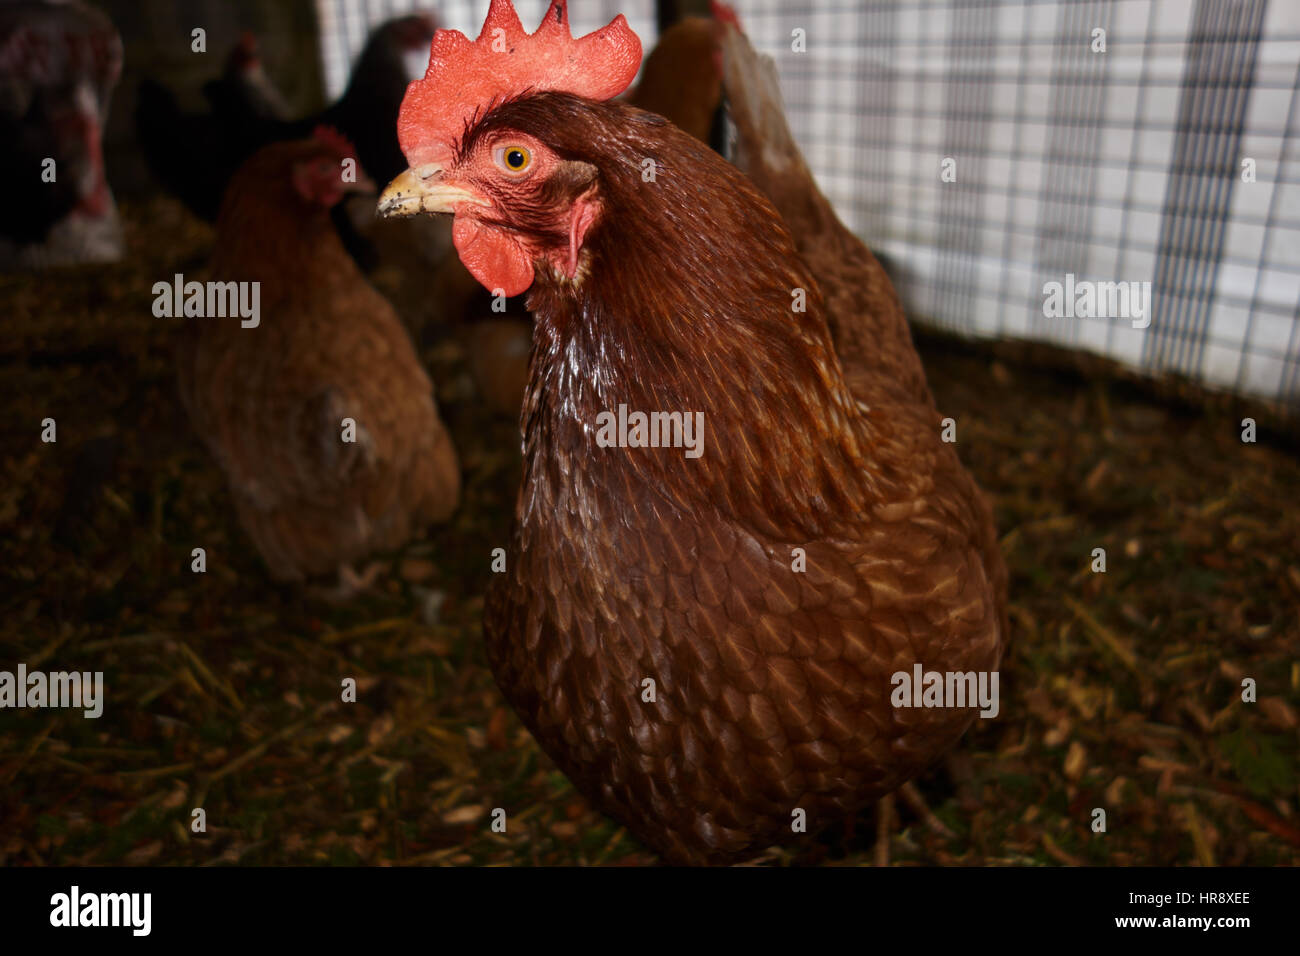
492 256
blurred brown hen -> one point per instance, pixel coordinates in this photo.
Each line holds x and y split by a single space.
702 634
681 79
866 320
271 400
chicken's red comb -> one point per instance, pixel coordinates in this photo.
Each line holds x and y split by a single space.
465 78
329 137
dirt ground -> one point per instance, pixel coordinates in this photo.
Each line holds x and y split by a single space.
1121 691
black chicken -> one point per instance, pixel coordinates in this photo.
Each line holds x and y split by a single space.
194 155
244 89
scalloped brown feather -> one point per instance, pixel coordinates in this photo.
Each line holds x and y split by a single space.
866 319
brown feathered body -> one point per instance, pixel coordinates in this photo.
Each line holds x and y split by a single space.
771 675
865 317
270 401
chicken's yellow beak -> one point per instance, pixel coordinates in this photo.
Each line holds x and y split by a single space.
423 189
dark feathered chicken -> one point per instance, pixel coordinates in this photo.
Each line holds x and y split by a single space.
194 155
825 539
367 110
244 92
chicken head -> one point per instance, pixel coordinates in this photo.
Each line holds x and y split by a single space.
474 171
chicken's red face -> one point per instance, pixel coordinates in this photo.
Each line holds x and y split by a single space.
518 204
325 168
316 180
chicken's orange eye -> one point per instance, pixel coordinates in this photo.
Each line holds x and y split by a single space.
514 159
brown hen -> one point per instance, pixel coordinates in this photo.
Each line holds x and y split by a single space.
681 79
866 320
271 400
705 645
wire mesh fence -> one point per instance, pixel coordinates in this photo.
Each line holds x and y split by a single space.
1119 176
